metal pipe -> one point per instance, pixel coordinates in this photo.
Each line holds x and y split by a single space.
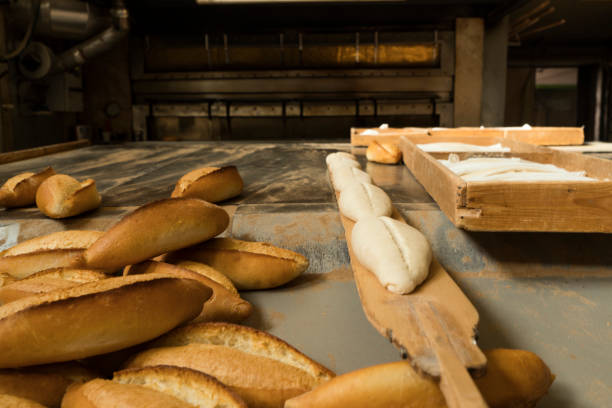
98 44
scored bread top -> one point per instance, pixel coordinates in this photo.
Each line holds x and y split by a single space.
210 273
245 339
191 386
71 239
260 248
194 175
86 289
13 181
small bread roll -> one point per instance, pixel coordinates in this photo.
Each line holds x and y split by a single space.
48 281
223 306
20 190
386 153
361 200
250 265
95 318
343 177
262 369
10 401
396 253
46 384
211 184
154 229
62 196
56 250
514 378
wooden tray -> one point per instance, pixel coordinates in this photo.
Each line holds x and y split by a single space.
560 206
544 136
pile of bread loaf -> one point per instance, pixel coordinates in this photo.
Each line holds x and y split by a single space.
143 315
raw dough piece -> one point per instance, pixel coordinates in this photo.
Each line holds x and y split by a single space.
342 177
339 156
361 200
396 253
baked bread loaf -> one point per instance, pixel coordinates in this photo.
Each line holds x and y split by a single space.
250 265
6 279
160 386
56 250
62 196
211 184
20 190
396 253
210 273
386 153
10 401
224 305
361 200
154 229
95 318
46 384
514 378
262 369
48 281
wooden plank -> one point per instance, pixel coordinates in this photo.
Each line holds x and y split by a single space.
469 44
41 151
542 136
433 326
520 205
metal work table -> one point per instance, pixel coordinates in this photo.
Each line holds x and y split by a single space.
544 292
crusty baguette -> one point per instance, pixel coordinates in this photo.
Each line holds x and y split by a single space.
386 153
514 379
62 196
390 385
56 250
6 279
210 273
154 229
223 305
95 318
212 184
47 281
20 190
262 369
44 384
101 393
250 265
11 401
194 387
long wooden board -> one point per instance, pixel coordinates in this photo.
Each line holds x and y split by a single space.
434 326
543 136
41 151
557 206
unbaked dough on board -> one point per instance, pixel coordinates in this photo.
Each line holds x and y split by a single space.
361 200
396 253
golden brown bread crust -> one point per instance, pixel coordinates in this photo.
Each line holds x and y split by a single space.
6 279
44 384
246 339
223 305
11 401
514 378
188 385
62 196
262 369
154 229
212 184
95 318
210 273
386 153
22 266
20 190
101 393
250 265
47 281
71 239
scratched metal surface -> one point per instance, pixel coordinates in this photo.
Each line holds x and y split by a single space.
548 293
